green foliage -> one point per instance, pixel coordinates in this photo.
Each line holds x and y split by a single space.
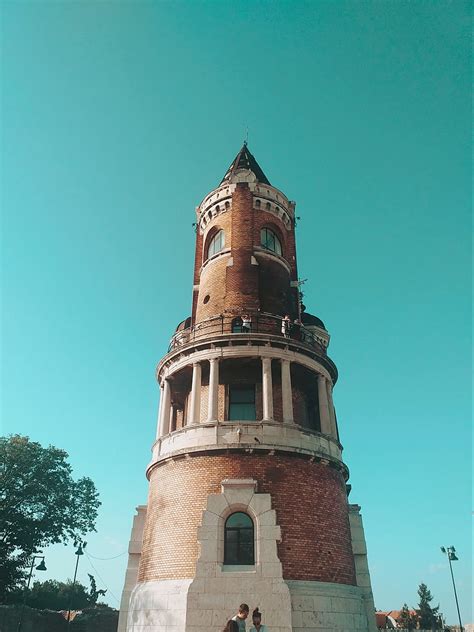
40 504
55 595
428 617
407 620
94 594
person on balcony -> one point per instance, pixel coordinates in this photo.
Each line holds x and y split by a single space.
246 324
285 326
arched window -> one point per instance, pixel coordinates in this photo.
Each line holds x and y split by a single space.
239 548
216 244
270 241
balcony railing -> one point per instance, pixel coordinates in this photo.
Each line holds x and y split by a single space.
261 323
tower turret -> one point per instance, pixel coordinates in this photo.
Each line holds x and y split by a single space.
248 497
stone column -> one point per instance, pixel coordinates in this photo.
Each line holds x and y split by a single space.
212 411
170 427
195 397
160 410
332 412
324 406
267 389
286 392
165 408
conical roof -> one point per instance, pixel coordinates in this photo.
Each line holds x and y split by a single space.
245 160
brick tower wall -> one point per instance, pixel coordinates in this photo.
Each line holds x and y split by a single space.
309 499
235 282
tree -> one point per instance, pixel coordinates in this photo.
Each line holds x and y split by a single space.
94 594
40 504
428 617
407 619
55 595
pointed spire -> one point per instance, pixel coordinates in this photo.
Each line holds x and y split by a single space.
245 160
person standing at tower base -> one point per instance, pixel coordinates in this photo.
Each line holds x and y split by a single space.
257 622
241 616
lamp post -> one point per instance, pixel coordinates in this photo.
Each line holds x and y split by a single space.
450 551
41 567
80 545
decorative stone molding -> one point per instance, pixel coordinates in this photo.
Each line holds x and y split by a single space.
280 206
271 435
229 484
221 206
208 262
217 590
272 256
263 204
187 356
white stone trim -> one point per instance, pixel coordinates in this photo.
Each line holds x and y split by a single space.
225 252
131 574
217 590
178 362
159 606
271 435
222 192
272 256
274 209
229 484
359 550
328 607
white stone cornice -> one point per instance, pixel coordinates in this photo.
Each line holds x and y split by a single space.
241 435
272 256
225 252
248 351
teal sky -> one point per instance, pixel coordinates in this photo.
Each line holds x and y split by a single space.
119 117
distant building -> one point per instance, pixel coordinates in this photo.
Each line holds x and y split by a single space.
388 620
248 496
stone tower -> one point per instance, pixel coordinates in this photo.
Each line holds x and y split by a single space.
248 495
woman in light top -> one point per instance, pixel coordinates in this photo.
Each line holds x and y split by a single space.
257 622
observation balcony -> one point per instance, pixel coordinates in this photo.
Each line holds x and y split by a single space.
261 326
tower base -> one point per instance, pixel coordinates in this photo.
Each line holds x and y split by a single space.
201 605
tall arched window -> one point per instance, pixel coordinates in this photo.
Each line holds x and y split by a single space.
239 548
216 244
270 241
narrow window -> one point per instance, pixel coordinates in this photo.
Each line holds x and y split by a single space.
216 244
242 403
270 241
239 546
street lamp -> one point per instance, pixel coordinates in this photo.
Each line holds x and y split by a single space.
41 567
450 551
80 546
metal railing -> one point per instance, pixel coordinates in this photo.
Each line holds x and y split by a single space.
261 323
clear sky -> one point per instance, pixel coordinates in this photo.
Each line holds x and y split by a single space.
119 117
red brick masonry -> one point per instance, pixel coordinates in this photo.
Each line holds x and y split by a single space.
309 498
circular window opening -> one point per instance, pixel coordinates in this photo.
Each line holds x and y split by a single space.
206 299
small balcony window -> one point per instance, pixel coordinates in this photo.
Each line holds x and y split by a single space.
239 547
242 403
216 244
270 241
237 325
